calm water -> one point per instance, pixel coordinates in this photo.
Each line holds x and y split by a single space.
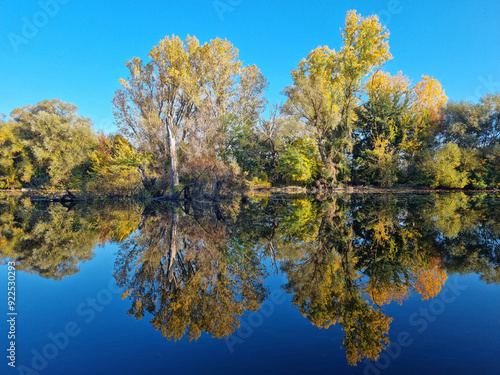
359 284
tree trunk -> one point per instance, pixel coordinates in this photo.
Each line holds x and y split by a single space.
172 150
147 182
172 246
217 187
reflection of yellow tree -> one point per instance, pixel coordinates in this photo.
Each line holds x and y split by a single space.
327 289
383 295
403 261
394 249
452 214
387 250
115 222
182 272
428 281
52 242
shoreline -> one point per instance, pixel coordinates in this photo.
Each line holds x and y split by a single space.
42 195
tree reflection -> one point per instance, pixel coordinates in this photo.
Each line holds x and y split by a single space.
196 268
328 289
180 270
52 242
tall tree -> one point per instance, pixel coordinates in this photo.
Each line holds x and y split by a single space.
186 97
327 86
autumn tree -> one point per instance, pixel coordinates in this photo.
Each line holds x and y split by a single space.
183 273
16 166
185 100
327 86
56 139
428 99
114 167
326 287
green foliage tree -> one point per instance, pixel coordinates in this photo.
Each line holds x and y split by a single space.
380 129
299 161
56 139
51 244
472 124
474 128
443 168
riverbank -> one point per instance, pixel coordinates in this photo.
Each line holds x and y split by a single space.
363 189
58 195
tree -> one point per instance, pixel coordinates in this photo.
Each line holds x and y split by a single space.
380 129
258 147
51 243
472 124
443 168
327 288
299 161
474 128
183 273
427 101
16 167
56 139
183 101
327 86
114 167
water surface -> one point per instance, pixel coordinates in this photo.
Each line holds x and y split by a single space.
368 284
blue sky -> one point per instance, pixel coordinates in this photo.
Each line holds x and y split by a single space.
75 50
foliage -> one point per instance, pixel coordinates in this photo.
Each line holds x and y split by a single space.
114 167
443 168
52 242
199 269
15 164
56 139
327 86
472 124
380 129
299 161
193 286
194 107
192 95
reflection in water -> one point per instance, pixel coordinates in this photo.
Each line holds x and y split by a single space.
199 269
183 272
51 241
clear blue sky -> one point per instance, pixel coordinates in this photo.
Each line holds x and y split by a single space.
77 52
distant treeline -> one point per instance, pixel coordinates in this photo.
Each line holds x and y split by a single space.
193 108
